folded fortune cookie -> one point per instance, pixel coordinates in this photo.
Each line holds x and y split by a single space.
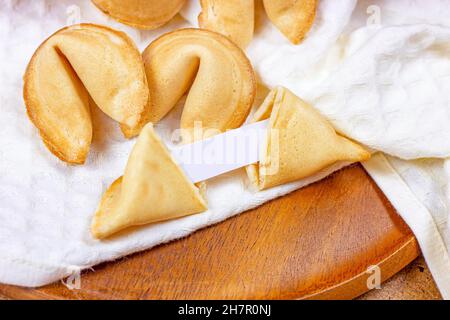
74 63
233 18
293 18
216 75
153 188
300 142
142 14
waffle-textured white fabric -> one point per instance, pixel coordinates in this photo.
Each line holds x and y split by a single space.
380 73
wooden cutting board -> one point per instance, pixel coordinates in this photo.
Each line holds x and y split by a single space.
317 242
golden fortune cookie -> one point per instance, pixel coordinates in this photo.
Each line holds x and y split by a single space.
300 142
235 19
293 18
216 75
153 188
72 65
142 14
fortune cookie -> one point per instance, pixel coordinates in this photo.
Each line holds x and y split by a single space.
234 19
70 67
300 142
153 188
216 75
142 14
292 17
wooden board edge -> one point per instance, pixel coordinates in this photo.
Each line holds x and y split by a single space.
348 289
356 286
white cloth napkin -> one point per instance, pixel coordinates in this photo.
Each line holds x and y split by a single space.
385 85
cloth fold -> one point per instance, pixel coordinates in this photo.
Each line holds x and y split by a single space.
380 74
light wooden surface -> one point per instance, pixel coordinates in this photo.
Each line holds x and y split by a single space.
314 243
